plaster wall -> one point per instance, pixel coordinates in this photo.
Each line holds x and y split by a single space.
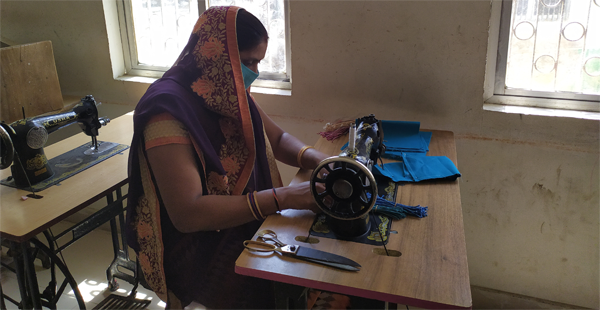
530 184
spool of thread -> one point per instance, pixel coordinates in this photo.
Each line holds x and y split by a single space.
352 138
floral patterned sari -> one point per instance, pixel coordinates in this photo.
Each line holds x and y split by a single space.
205 92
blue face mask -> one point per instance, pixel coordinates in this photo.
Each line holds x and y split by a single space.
249 76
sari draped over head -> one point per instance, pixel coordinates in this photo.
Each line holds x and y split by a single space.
204 91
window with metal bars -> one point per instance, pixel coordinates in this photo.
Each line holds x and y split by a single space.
154 32
548 54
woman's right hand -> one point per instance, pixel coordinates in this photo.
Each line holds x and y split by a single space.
298 197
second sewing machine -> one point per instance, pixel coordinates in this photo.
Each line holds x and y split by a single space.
22 145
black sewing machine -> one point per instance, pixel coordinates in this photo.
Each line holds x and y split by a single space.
23 140
350 187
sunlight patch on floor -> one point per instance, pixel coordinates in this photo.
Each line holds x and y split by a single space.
89 289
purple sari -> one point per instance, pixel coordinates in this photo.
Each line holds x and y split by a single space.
204 91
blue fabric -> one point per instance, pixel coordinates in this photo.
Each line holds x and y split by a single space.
405 143
415 168
400 137
396 152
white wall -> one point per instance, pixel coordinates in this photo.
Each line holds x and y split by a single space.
530 184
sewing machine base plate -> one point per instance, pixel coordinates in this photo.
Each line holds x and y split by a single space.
71 163
378 223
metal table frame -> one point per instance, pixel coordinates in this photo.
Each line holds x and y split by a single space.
27 251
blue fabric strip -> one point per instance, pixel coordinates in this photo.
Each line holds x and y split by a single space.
415 168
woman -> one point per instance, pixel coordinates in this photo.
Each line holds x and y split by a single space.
202 168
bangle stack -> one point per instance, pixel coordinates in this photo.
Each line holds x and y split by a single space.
276 200
254 207
302 150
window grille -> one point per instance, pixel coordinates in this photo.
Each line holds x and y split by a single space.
550 49
155 31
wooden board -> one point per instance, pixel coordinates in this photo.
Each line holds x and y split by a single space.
432 271
29 80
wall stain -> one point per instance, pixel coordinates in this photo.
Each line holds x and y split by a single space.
543 191
56 33
558 171
559 146
492 218
592 173
542 228
518 178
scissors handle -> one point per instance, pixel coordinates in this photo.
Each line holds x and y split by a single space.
260 246
269 235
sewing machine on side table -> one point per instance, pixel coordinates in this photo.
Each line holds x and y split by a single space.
86 172
23 141
431 270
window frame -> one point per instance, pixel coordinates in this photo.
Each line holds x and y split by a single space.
495 92
265 79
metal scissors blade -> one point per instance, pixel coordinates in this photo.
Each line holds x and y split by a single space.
308 254
326 258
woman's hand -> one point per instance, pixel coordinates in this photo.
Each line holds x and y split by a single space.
298 197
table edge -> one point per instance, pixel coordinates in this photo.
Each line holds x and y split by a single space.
35 232
347 290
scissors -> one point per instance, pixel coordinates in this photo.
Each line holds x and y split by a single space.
267 242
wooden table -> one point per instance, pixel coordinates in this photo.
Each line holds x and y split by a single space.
432 271
21 220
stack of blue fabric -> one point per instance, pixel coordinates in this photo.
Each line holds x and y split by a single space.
404 137
406 143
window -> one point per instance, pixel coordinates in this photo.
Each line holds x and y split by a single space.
547 54
153 33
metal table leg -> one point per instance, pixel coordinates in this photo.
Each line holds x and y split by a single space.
2 304
121 259
30 276
51 295
20 271
26 254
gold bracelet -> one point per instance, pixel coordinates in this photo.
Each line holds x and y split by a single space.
250 206
302 150
258 207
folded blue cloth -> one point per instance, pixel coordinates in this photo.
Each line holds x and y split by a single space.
415 168
401 136
405 143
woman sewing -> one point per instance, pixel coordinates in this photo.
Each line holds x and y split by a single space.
202 168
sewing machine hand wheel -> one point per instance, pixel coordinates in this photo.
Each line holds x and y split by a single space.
7 150
350 188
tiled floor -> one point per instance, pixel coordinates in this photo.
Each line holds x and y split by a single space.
87 259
